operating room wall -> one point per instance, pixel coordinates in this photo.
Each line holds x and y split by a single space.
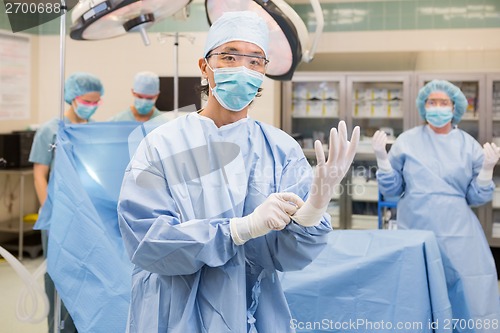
115 62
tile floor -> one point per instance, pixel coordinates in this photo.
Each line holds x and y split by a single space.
10 288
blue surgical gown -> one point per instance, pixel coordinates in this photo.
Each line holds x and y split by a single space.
128 115
187 179
436 174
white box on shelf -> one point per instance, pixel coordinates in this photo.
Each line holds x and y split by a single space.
394 93
299 108
331 91
315 90
361 109
496 230
394 109
379 108
380 93
315 109
496 198
331 108
362 190
299 91
364 221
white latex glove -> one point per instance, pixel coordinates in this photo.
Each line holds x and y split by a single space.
491 156
379 141
273 214
327 175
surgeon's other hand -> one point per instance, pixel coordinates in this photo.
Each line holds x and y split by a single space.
273 214
379 141
491 155
328 174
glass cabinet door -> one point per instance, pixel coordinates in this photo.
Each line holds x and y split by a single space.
312 104
492 226
373 102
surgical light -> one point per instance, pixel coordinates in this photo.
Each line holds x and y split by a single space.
289 38
102 19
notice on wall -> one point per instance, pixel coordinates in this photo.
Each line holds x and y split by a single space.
15 76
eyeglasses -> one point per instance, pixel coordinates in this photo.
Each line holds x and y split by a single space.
438 102
235 59
90 103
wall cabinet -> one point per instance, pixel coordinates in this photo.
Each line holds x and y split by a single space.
492 211
313 102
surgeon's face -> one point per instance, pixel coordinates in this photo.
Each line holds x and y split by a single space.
438 99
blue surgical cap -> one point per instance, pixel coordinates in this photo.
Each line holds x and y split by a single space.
243 26
455 94
147 83
79 84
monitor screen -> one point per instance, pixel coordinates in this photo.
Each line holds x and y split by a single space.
188 93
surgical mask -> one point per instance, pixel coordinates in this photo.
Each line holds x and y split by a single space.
236 87
85 111
439 116
144 105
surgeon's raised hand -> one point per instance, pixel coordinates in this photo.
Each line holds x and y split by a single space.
328 174
379 141
273 214
491 155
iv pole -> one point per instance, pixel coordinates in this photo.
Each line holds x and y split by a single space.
58 323
176 36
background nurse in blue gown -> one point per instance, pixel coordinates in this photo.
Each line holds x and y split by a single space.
440 171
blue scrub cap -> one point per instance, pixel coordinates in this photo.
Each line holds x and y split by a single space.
147 83
455 94
244 26
78 84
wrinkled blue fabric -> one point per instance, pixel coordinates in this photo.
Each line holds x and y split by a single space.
86 257
186 180
436 176
369 281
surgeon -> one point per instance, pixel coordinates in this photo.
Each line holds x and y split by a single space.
82 92
212 203
145 90
440 171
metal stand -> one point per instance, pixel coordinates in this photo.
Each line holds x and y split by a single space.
176 36
58 324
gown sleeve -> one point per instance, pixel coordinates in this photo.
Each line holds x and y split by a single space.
477 195
151 227
296 246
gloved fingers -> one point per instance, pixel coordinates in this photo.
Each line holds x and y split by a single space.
496 149
333 148
280 222
489 150
291 202
379 139
320 153
352 146
342 139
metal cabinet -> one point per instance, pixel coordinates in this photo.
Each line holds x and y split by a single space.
314 102
492 210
